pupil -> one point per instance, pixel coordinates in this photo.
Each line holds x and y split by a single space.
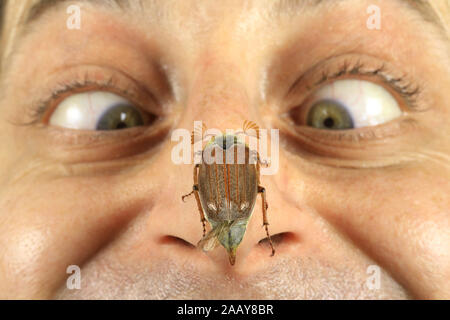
121 125
120 117
328 122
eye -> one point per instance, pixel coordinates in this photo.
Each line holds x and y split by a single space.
347 104
98 110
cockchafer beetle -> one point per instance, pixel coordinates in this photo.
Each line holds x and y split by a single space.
226 190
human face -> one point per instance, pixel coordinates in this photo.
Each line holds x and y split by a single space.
109 202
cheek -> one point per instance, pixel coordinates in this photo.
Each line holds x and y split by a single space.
58 225
28 249
49 222
22 248
397 216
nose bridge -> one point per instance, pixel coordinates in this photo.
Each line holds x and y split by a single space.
219 95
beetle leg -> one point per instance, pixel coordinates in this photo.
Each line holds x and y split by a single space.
264 163
199 205
260 162
265 206
187 195
258 169
197 198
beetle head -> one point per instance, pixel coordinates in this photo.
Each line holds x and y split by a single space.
231 236
225 141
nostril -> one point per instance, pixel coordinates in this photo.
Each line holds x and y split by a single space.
278 239
172 240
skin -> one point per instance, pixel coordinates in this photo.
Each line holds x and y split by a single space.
111 202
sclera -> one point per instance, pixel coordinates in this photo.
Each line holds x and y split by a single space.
83 110
367 103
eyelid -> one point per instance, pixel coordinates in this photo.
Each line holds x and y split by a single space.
81 79
351 138
353 66
368 147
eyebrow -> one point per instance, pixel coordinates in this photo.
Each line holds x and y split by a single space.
421 6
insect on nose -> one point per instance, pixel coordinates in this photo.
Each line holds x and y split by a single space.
226 142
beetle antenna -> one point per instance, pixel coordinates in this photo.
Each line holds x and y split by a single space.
197 133
208 135
250 125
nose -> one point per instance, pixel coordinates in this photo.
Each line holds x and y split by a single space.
221 103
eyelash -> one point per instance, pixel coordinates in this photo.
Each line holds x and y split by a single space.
39 110
407 91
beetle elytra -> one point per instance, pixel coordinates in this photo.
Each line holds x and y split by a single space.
226 191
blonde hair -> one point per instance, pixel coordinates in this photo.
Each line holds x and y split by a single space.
13 14
442 10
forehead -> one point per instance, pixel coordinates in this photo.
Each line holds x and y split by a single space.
201 14
26 10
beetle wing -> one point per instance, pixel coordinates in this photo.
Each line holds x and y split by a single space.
242 186
210 241
228 191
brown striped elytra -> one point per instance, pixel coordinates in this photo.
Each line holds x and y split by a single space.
226 185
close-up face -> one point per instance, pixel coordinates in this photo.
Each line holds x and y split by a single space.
94 96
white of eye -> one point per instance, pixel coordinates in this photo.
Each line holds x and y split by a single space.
83 110
367 103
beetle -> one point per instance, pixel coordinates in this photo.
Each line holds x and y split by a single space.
226 191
